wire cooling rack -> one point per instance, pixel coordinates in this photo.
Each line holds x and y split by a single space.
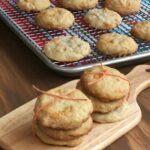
24 25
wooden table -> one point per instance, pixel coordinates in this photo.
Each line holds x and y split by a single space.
20 68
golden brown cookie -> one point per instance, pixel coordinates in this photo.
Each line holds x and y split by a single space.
105 83
55 18
66 49
68 134
115 44
33 5
102 18
123 7
48 140
142 30
78 4
117 115
100 105
63 109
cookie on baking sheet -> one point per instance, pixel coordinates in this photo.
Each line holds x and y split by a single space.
123 7
33 5
65 109
68 134
55 18
142 30
78 4
117 115
115 44
102 18
67 49
48 140
105 83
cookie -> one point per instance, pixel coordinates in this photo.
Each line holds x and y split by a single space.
67 49
79 4
105 83
65 109
123 7
102 18
55 18
48 140
114 116
115 44
142 30
100 105
68 134
33 5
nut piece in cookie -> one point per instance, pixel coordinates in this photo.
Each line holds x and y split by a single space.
79 4
63 109
115 44
66 49
123 7
117 115
55 18
33 5
142 30
102 18
105 83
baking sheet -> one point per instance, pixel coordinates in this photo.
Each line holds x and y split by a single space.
24 25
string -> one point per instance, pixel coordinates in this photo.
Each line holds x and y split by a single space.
57 96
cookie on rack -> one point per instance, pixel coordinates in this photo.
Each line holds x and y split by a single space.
64 109
142 30
48 140
78 4
100 105
33 5
55 18
68 134
115 44
102 18
123 7
117 115
67 49
105 83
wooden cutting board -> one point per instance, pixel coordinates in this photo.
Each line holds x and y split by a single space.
15 127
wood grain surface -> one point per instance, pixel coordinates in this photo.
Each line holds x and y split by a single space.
20 68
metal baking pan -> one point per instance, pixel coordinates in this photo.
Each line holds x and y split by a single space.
23 24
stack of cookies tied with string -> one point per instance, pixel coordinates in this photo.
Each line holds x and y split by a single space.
62 117
108 89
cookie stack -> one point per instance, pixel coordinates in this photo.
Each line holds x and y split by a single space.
62 117
108 90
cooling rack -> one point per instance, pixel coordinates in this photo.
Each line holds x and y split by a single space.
24 25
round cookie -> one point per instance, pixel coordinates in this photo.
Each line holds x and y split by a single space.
105 107
66 109
68 134
79 4
100 105
123 7
33 5
115 44
102 18
142 30
48 140
114 116
67 49
55 18
112 87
